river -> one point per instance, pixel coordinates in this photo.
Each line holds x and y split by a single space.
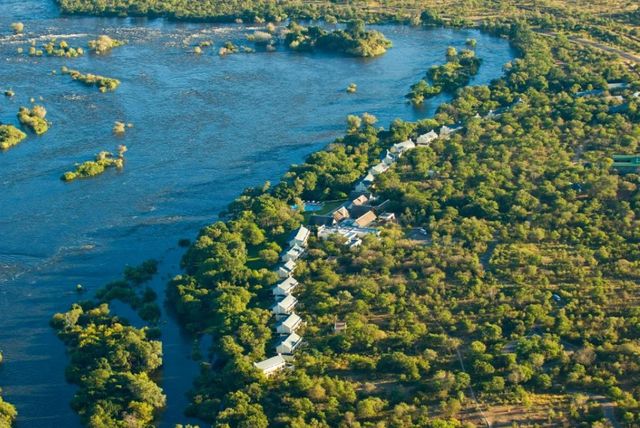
204 128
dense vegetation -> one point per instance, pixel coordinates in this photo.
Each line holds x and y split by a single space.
114 366
449 77
103 44
355 40
8 412
34 119
127 290
104 84
54 48
99 165
10 136
524 294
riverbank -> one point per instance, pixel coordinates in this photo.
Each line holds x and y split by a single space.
144 211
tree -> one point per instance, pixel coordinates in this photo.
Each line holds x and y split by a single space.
370 407
17 27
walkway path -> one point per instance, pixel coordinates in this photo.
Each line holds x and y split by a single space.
599 45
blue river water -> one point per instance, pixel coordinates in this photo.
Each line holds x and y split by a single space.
204 128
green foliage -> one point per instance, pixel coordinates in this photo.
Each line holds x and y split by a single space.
10 136
17 27
102 162
34 119
112 364
422 90
455 74
59 49
128 290
8 414
525 281
104 84
103 44
508 228
354 40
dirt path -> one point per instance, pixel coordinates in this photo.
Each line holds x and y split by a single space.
473 393
608 409
626 55
599 45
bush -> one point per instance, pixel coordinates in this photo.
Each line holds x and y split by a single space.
10 136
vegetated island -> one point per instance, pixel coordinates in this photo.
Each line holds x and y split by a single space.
54 48
230 48
127 290
355 40
104 44
449 77
34 119
99 165
8 412
104 84
10 136
114 366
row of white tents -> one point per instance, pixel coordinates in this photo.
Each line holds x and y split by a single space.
288 322
397 151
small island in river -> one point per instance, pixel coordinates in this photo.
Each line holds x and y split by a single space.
354 40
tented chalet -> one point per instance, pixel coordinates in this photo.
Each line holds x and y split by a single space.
426 139
289 325
445 131
293 253
285 306
285 287
300 238
289 345
286 270
399 149
387 217
378 169
271 365
364 184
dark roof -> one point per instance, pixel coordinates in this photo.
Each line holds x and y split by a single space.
321 220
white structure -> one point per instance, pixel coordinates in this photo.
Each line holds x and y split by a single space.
289 345
389 159
300 238
364 184
387 217
354 242
285 287
378 169
445 131
427 138
617 86
285 306
271 365
290 325
401 148
286 270
293 253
